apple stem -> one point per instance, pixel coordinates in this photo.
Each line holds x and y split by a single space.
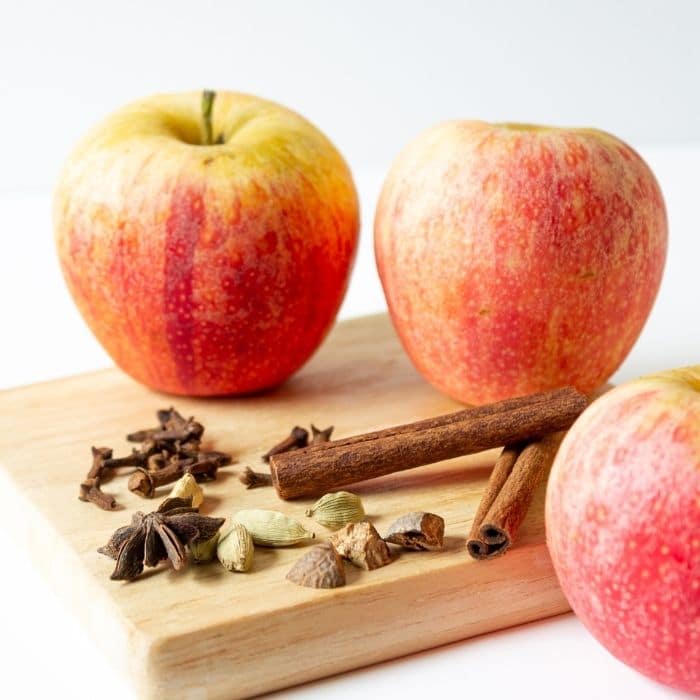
207 108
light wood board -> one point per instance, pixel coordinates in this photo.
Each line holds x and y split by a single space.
206 633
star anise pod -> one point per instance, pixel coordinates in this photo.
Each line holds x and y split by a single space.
157 536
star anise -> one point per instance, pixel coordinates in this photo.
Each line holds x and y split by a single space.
154 537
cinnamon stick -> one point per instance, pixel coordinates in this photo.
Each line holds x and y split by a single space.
501 471
518 471
455 417
321 468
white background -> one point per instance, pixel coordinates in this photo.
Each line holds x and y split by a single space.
371 75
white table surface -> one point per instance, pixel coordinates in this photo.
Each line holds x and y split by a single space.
44 651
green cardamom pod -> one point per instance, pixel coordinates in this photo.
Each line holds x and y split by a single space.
337 509
187 487
271 528
235 549
204 551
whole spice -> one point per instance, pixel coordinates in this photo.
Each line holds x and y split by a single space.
318 436
337 509
236 549
144 482
204 551
518 472
157 461
417 531
271 528
320 567
502 468
170 450
361 544
296 439
254 480
221 459
327 466
90 487
157 536
202 469
135 459
187 487
173 427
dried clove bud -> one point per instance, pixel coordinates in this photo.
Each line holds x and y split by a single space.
171 421
337 509
236 549
320 567
164 455
204 551
172 427
151 447
144 483
361 544
202 470
271 528
318 436
297 438
157 536
221 459
142 435
187 487
135 459
423 531
157 461
90 487
189 431
254 480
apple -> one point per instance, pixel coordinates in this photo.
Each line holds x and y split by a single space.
207 242
518 258
623 524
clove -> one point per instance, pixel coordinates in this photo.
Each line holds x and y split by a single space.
202 470
318 436
173 427
222 459
90 487
254 480
144 483
296 439
157 461
135 459
164 455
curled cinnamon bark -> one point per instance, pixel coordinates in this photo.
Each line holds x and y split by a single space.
518 471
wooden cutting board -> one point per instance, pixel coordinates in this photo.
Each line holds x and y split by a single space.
207 633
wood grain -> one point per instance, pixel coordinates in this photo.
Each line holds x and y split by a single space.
207 633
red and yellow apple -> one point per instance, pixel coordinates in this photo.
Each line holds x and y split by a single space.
208 254
518 258
623 524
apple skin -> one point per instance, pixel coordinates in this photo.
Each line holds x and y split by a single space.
623 524
516 258
207 269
